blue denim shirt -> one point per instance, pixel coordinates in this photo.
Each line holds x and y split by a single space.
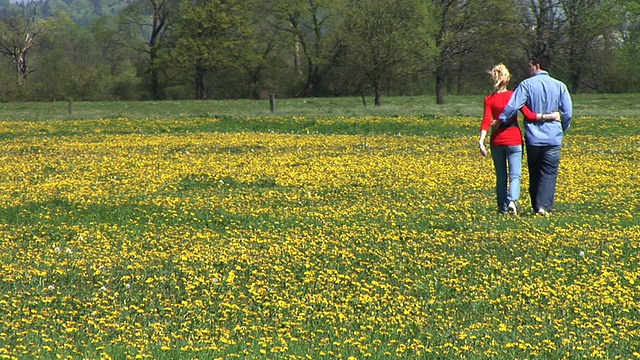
543 94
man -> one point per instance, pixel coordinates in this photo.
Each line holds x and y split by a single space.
543 138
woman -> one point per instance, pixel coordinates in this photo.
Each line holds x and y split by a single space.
506 140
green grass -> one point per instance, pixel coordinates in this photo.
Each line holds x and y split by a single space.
585 105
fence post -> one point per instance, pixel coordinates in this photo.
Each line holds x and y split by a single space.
70 107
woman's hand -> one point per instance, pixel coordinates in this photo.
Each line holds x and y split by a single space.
483 149
555 116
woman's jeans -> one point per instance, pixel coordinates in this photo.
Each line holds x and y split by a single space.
510 156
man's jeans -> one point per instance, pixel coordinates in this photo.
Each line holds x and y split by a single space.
543 162
511 155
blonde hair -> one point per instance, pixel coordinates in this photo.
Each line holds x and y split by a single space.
501 76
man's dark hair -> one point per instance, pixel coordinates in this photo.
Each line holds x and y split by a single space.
543 60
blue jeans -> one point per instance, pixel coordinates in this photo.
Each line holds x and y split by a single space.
511 156
543 163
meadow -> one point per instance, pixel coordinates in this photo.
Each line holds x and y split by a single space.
333 232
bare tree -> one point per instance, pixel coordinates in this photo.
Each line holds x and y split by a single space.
570 30
543 23
17 36
461 28
585 24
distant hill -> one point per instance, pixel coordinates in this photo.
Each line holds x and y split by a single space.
82 12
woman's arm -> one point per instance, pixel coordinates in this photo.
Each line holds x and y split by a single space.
483 149
488 115
528 114
487 118
531 116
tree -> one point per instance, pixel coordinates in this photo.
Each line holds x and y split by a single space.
619 70
382 36
461 28
540 20
18 33
69 63
211 34
262 62
117 60
584 24
152 19
570 31
313 26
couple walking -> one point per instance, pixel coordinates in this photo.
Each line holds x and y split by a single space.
547 108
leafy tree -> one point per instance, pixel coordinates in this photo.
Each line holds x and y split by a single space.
494 40
210 35
619 69
314 29
382 36
264 62
70 64
159 49
117 60
150 21
5 7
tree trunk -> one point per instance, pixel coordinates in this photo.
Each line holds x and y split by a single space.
440 85
201 93
156 91
378 100
574 79
313 81
575 82
255 83
155 86
21 64
296 59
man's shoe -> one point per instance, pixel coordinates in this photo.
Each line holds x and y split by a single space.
542 212
512 207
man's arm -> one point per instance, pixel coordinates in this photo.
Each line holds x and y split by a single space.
566 109
517 101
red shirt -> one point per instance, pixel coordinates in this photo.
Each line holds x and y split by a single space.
508 134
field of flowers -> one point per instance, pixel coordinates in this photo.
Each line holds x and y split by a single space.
303 238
